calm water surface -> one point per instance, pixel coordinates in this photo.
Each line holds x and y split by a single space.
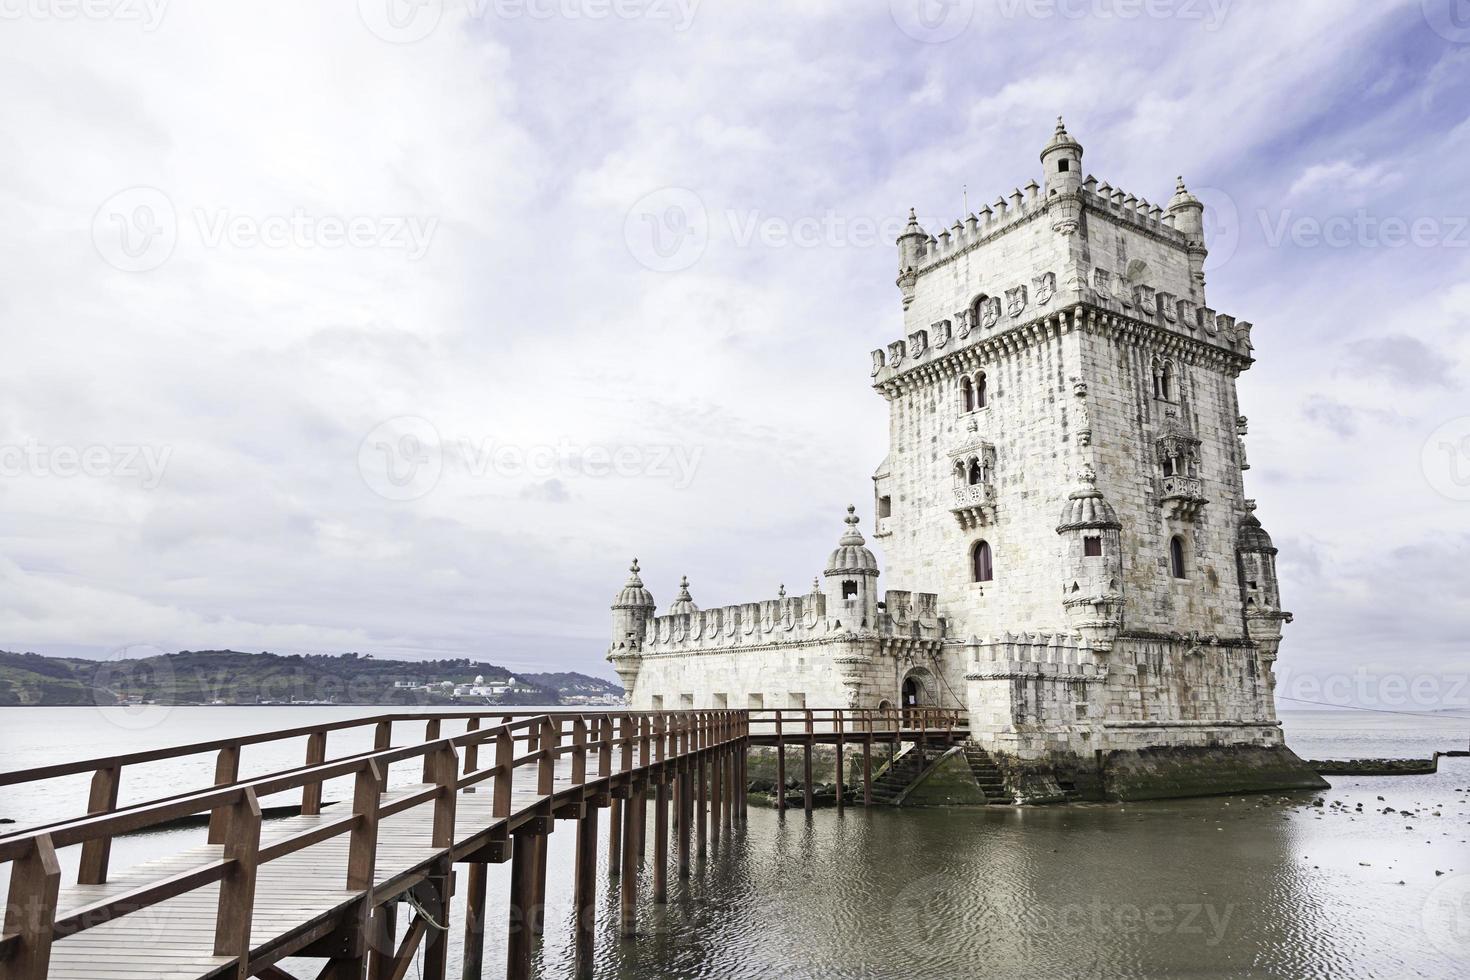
1253 886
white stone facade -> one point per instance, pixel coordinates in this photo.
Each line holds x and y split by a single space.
1063 393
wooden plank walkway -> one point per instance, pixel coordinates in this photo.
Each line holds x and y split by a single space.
330 885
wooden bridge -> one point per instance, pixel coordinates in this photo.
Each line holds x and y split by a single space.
332 885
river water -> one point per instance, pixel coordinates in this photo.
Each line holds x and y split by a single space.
1245 886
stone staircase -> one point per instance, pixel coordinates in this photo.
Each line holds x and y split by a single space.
991 783
890 785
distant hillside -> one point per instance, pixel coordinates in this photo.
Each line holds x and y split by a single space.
231 677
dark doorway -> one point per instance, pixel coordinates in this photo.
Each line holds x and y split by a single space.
910 693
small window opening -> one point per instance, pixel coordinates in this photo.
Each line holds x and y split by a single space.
1092 546
967 394
885 506
1176 557
984 567
849 590
1169 467
977 475
982 395
1064 166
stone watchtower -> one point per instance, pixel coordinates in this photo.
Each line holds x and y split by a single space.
1060 357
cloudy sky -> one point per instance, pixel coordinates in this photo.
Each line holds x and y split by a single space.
400 327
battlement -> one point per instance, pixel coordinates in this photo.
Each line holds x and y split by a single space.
1062 655
1083 305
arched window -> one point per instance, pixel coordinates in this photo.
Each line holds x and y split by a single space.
984 568
982 394
967 394
1176 557
1166 381
977 308
977 475
1158 371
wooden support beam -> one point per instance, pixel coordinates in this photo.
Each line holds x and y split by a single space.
236 909
701 818
661 842
807 778
436 941
226 771
383 942
403 958
522 889
628 883
538 899
716 777
868 770
276 973
316 754
781 777
841 787
472 751
686 817
474 922
615 838
30 911
431 733
383 739
585 900
98 851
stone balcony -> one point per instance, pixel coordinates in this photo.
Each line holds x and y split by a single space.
1183 497
974 505
884 527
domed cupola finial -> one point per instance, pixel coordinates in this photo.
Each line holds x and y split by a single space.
852 557
684 604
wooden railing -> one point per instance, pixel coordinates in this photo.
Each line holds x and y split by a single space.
619 743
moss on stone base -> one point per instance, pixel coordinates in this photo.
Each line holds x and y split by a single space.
1164 773
949 783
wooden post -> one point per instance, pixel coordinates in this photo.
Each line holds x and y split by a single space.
807 767
615 838
868 769
686 814
628 905
443 766
385 938
431 733
471 751
505 753
474 922
538 899
316 754
436 941
780 765
701 820
661 841
226 771
362 847
383 739
98 851
30 910
236 907
522 885
585 901
841 787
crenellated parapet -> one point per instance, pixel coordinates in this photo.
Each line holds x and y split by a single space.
1061 656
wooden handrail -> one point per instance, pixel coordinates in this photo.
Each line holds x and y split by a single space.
35 877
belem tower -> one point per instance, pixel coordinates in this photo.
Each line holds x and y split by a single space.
1069 553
